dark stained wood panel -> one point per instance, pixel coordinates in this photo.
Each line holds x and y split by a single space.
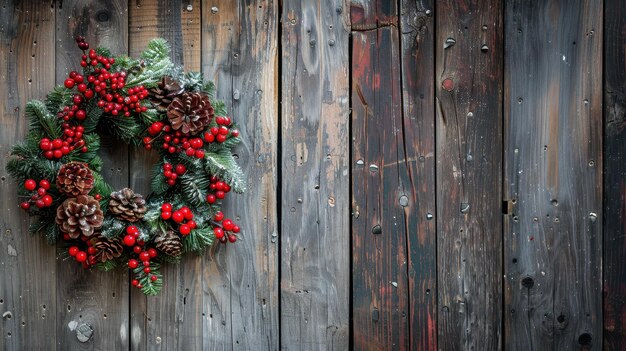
315 179
417 55
27 276
553 175
468 80
614 270
94 299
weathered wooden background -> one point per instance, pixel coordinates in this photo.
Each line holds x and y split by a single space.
434 174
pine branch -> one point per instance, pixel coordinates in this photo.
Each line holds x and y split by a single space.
40 119
198 239
112 228
195 187
223 164
59 96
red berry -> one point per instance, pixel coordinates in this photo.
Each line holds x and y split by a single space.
40 204
152 252
81 256
66 237
232 238
181 169
44 184
154 278
146 263
223 130
220 194
135 282
80 115
132 230
69 83
221 138
41 191
57 153
234 133
129 240
178 216
192 224
73 251
184 229
25 205
30 185
228 224
146 270
171 182
91 250
98 197
137 249
236 229
144 256
132 264
219 232
57 143
166 215
166 207
208 137
47 200
218 216
199 154
210 198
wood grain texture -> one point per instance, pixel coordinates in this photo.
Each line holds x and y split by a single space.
27 275
93 298
614 270
173 319
417 57
381 177
239 44
553 148
315 183
469 51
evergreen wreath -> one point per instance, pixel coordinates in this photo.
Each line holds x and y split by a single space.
146 101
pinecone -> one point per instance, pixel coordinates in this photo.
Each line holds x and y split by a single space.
75 178
127 205
169 243
165 91
108 249
79 216
190 112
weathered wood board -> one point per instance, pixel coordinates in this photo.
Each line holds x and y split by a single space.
315 184
614 270
28 300
92 303
553 175
468 80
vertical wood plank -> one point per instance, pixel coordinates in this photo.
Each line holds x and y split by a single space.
417 30
239 43
383 185
96 299
173 319
315 185
469 145
614 270
553 148
27 274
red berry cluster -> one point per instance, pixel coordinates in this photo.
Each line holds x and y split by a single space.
225 229
57 148
174 141
172 173
131 239
219 190
182 216
87 258
40 198
220 134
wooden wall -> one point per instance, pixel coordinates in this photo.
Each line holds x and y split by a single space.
423 174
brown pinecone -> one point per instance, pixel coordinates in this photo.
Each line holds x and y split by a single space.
190 112
169 243
127 205
108 249
165 91
79 216
75 178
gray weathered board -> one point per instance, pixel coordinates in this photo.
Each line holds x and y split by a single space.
422 174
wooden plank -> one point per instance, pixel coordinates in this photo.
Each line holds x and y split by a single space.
315 186
239 44
469 144
92 298
614 269
553 148
417 45
27 274
381 185
173 319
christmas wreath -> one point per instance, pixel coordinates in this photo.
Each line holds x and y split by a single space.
148 102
